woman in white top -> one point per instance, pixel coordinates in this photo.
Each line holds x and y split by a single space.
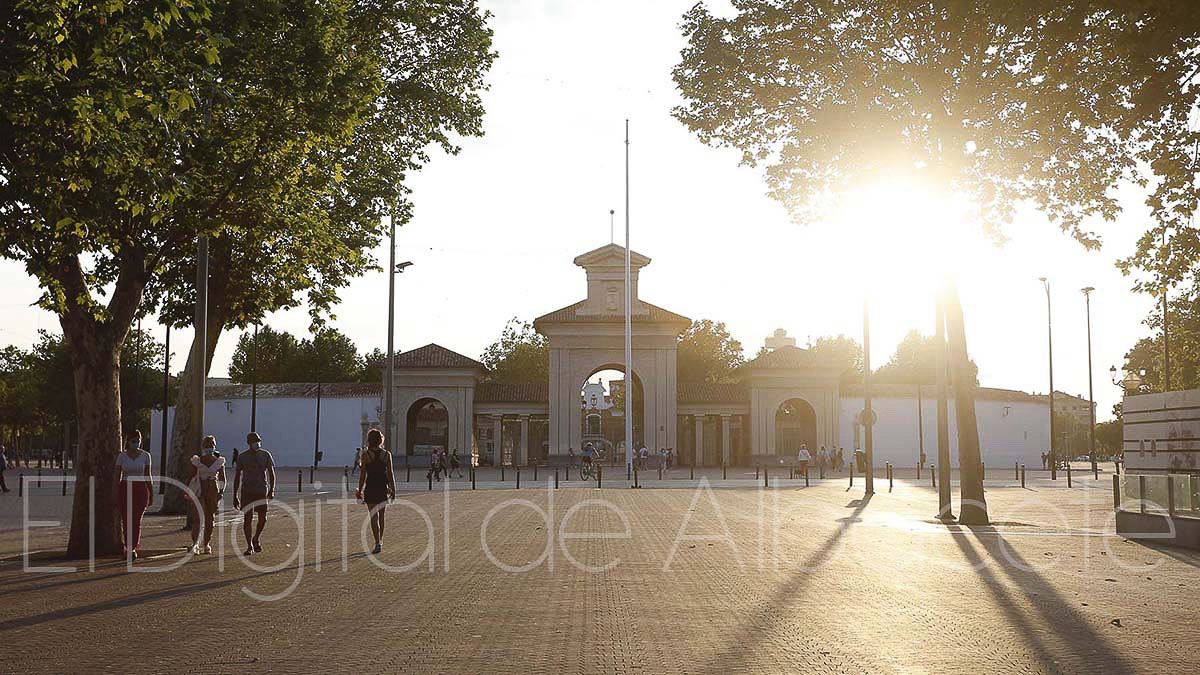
132 491
209 469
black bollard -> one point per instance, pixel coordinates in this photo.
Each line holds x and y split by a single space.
933 474
518 478
568 473
599 474
1116 492
891 478
755 472
806 476
555 478
39 473
408 472
627 470
693 472
982 471
766 480
635 479
1096 471
310 474
851 473
429 477
1016 471
64 483
535 472
299 480
501 471
472 477
724 471
21 484
1068 474
1022 475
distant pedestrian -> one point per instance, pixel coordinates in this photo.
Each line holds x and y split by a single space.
3 466
209 470
804 457
233 459
132 491
253 487
570 455
376 485
455 465
822 459
357 461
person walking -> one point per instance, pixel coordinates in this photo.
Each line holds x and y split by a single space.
233 459
376 484
3 467
132 491
253 487
455 465
209 469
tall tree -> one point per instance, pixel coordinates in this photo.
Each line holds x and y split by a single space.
706 352
99 97
841 350
521 354
1184 335
276 352
915 362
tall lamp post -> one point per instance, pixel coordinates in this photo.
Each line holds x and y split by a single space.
393 270
1087 300
1050 352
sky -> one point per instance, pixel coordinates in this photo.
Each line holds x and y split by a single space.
496 227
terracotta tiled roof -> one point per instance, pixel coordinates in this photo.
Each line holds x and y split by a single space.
707 392
435 356
504 392
295 390
567 314
784 357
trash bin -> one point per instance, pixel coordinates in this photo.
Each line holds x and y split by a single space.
860 461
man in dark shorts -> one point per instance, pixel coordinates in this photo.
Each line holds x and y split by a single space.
253 487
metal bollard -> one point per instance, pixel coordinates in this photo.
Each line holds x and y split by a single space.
408 472
628 468
1068 474
39 473
502 471
64 475
890 478
933 474
20 485
299 480
1016 471
766 481
429 477
1022 475
555 478
851 473
755 472
1116 492
472 477
635 479
599 475
724 471
806 476
693 472
982 471
1142 492
1170 496
567 477
518 478
535 472
310 474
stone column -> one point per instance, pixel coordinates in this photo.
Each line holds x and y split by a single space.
497 440
524 459
726 420
698 455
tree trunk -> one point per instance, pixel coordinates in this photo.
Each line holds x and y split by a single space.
945 508
96 364
185 437
973 507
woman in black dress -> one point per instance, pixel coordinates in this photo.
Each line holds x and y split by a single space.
376 485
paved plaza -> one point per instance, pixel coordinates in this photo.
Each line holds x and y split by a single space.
712 576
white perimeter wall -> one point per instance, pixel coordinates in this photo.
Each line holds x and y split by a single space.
1019 434
286 427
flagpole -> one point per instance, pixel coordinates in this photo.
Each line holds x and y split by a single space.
628 321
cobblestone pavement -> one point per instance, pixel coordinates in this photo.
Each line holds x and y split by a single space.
729 579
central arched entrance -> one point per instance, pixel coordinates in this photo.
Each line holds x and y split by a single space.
602 413
428 427
795 425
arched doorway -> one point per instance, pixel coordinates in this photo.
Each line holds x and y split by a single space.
795 425
428 427
602 412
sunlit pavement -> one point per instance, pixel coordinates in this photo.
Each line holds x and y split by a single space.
732 579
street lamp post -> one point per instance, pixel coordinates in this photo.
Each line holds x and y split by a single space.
1050 397
1087 299
393 270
